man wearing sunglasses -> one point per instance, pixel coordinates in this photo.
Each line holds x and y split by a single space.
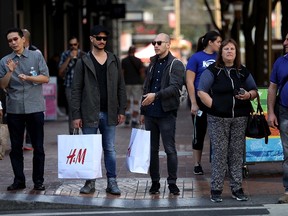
99 101
161 93
66 70
25 106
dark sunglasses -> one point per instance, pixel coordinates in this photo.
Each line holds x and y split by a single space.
13 39
75 44
158 42
99 38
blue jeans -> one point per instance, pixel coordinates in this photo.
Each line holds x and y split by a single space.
34 123
165 126
108 143
283 117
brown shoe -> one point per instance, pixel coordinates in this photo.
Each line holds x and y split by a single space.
283 199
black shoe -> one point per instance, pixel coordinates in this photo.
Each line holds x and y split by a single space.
239 195
128 117
155 188
174 189
39 187
134 124
216 196
198 170
16 186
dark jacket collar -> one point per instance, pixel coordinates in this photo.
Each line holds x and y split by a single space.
169 57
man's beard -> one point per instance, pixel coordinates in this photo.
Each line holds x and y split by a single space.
99 48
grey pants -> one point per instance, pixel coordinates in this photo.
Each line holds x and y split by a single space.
227 136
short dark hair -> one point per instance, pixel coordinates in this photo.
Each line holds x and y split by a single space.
18 30
73 37
132 50
237 61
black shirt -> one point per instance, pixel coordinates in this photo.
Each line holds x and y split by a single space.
101 73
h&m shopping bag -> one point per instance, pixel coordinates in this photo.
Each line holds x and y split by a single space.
79 156
138 155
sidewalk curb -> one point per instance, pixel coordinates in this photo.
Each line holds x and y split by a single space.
33 202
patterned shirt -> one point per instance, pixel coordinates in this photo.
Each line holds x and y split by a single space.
69 71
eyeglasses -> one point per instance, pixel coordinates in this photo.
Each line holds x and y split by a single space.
13 39
158 42
99 38
74 44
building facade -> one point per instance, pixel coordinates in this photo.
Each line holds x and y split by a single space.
53 22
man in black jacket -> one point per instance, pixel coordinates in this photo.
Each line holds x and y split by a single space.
162 85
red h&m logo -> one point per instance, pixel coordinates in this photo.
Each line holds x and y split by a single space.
76 156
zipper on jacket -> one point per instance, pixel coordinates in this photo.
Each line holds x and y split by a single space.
232 83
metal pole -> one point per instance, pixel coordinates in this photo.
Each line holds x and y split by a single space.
217 13
177 19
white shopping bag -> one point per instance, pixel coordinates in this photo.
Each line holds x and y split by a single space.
79 156
138 155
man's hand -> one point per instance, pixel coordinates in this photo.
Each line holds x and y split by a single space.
272 120
142 119
11 64
121 119
149 98
77 123
23 77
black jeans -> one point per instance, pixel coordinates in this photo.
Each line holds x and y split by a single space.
165 126
34 123
199 127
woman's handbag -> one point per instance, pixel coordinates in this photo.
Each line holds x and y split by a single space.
257 126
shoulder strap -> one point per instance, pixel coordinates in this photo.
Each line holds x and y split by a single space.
184 75
172 64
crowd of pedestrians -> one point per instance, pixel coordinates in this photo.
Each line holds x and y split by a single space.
102 92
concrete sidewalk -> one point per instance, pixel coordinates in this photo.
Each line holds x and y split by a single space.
263 185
